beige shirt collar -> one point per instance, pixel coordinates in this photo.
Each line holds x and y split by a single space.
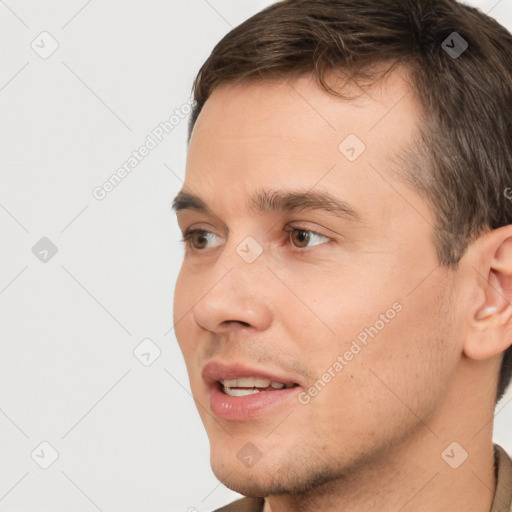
503 496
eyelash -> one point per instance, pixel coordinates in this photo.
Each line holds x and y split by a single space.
288 229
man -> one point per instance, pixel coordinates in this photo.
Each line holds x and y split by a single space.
344 303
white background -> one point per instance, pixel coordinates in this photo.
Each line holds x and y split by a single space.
128 436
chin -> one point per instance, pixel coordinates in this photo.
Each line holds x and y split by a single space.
289 475
251 482
241 483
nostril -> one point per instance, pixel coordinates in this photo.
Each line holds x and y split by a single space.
229 322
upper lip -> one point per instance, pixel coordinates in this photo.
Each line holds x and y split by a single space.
215 371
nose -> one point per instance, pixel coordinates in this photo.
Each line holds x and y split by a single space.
235 295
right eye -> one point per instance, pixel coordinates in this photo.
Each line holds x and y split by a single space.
201 236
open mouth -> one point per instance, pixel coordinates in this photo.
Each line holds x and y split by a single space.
245 386
238 392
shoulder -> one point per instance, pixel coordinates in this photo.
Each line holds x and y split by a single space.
503 494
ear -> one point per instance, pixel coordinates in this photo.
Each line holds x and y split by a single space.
490 332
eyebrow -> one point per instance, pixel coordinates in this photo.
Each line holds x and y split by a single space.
266 201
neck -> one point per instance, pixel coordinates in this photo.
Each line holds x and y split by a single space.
418 476
422 473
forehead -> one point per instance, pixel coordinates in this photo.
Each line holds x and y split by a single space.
301 108
282 134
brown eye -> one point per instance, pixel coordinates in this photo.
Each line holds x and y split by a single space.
197 239
302 236
305 238
200 238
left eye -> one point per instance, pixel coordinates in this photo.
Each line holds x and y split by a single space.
304 236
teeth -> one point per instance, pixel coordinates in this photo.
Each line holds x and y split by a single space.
240 392
246 382
245 386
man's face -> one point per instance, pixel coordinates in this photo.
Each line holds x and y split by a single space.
348 309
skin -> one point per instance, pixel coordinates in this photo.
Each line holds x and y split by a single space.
372 439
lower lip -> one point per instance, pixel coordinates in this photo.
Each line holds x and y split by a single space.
246 407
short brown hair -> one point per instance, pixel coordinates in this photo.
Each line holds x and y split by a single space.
462 158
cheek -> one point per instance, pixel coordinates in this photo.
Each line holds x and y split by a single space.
183 296
335 306
378 394
389 348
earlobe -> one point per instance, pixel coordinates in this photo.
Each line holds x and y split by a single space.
491 325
